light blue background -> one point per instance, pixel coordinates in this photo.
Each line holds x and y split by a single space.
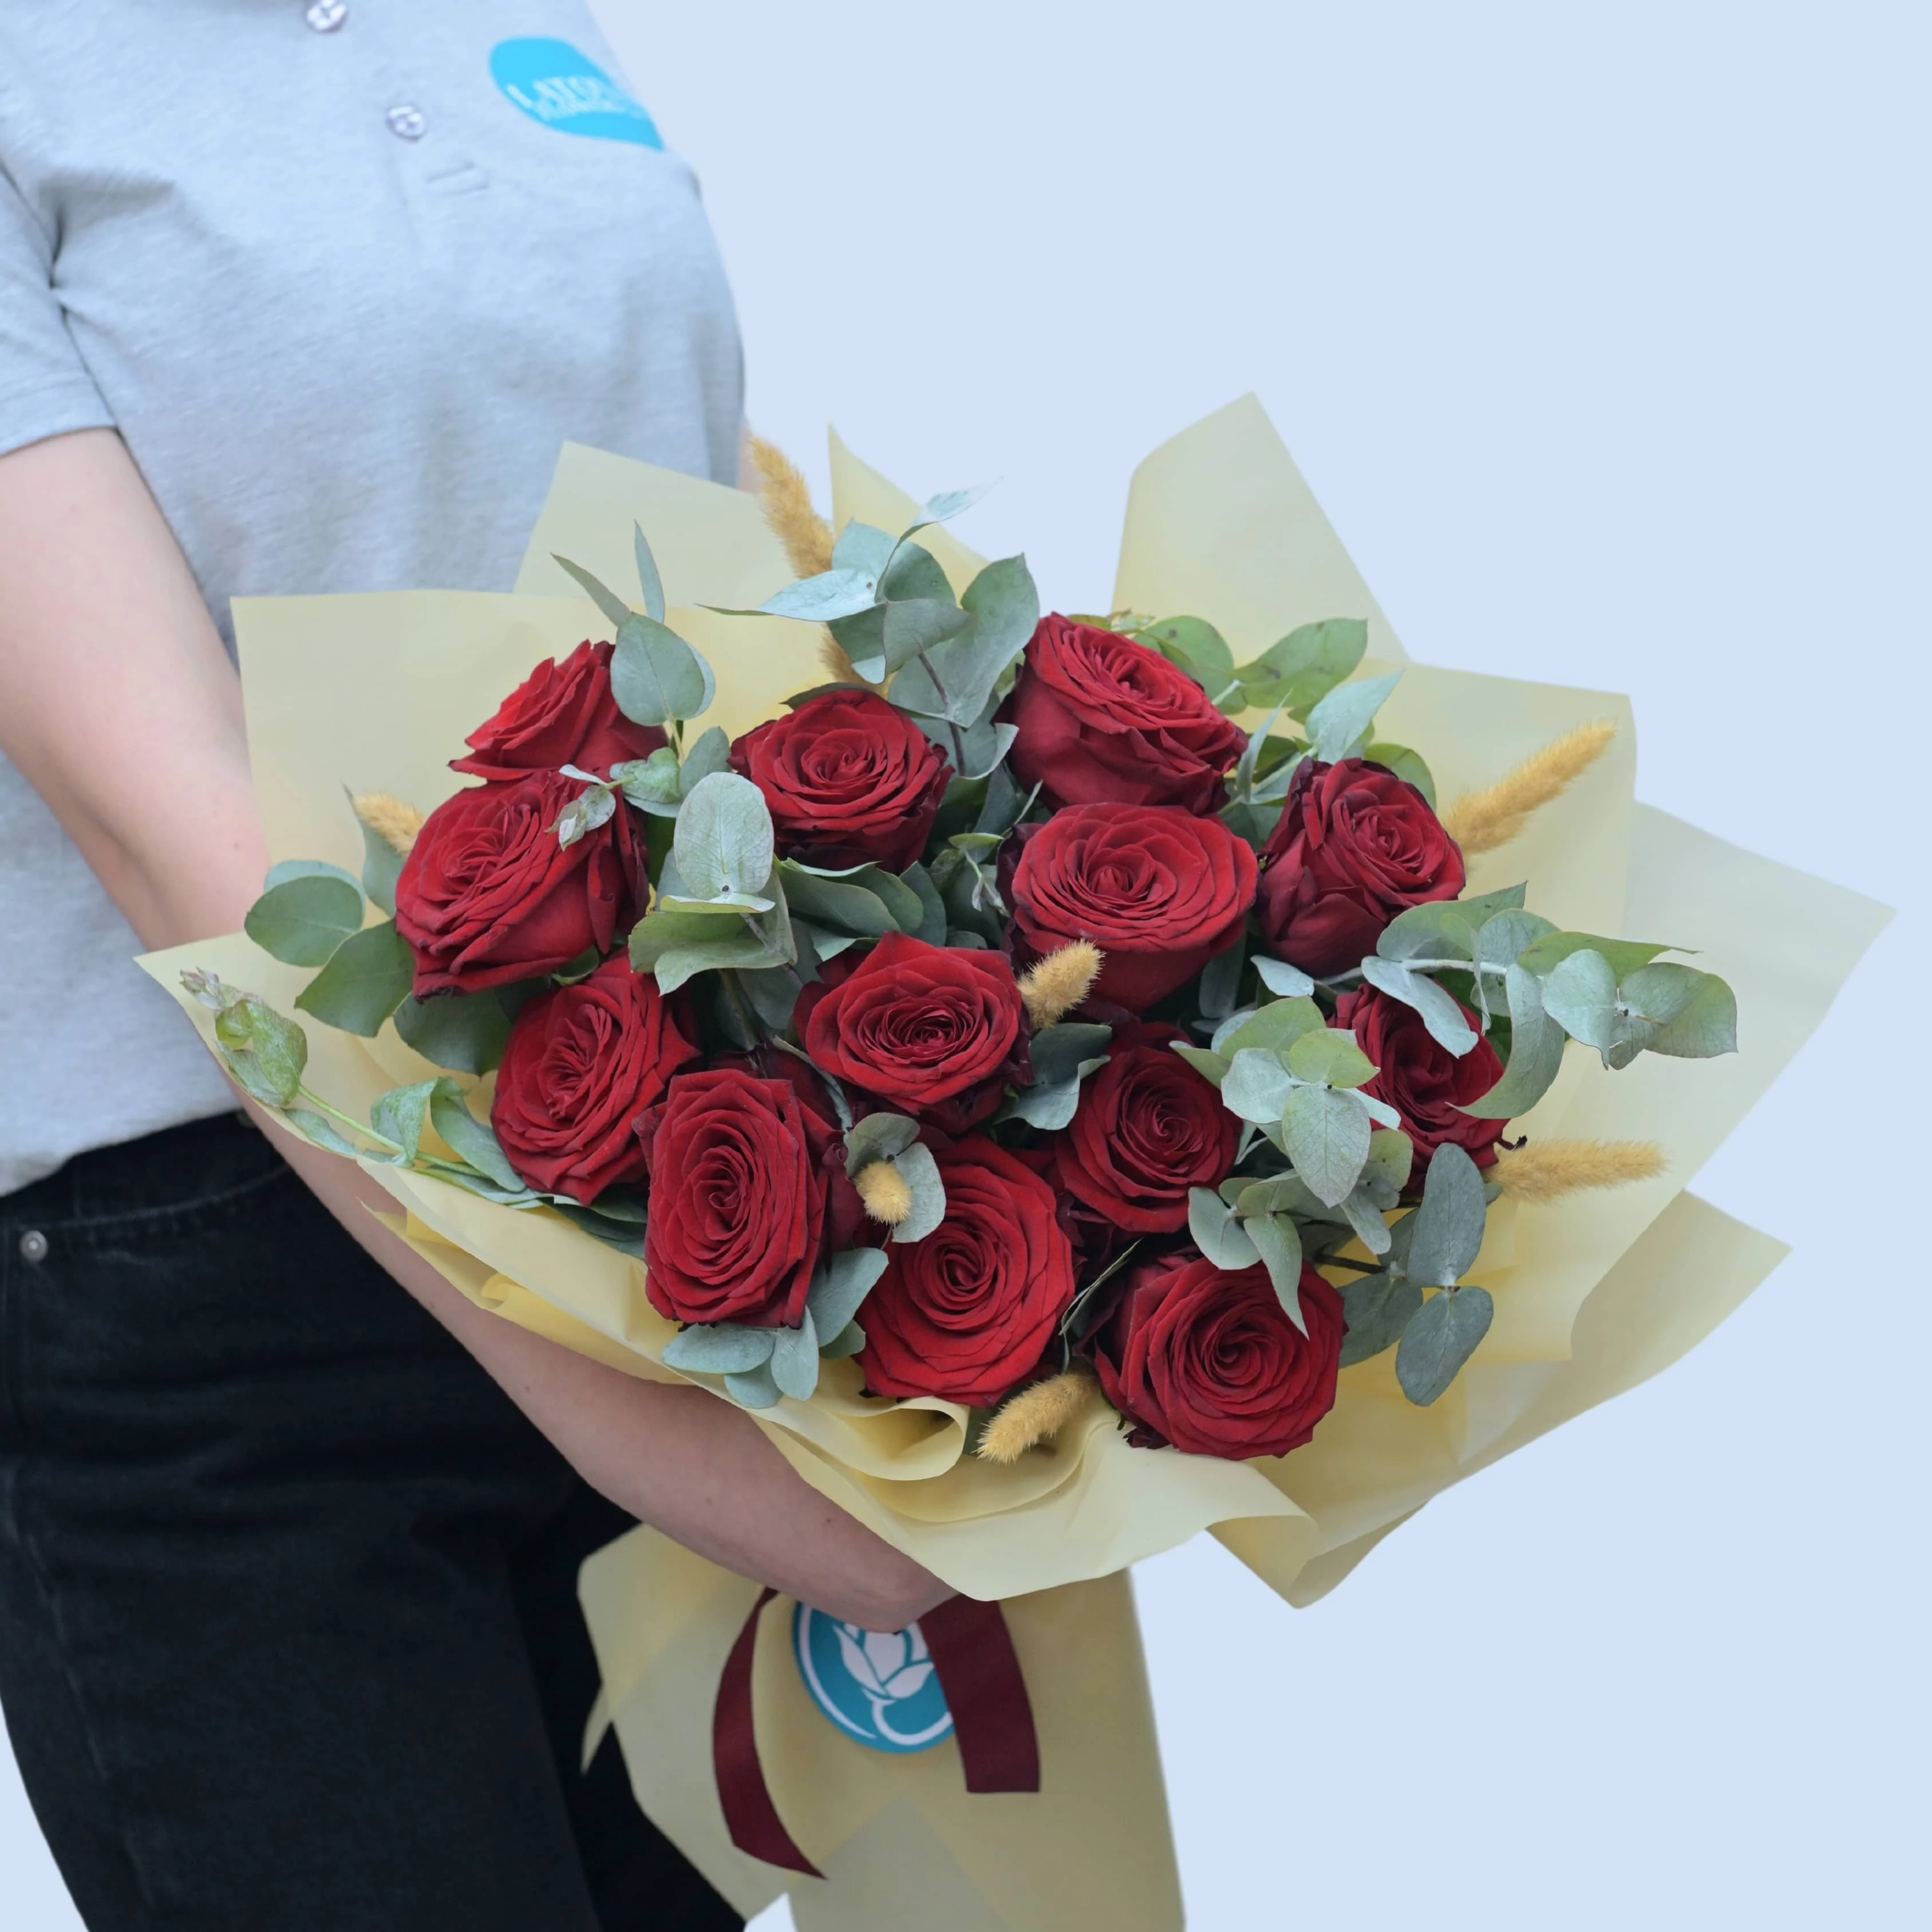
1600 333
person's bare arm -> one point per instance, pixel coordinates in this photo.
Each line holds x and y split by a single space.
120 705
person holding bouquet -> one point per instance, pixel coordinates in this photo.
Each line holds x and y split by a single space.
295 297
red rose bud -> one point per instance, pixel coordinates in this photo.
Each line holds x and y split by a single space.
848 779
1148 1128
969 1311
932 1030
582 1063
1158 890
739 1173
1104 720
1424 1081
562 714
1355 846
1211 1363
487 895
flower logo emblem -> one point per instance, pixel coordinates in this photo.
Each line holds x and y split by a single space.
876 1686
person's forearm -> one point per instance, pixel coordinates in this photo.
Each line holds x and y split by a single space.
676 1457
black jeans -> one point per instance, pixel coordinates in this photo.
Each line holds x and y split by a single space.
289 1632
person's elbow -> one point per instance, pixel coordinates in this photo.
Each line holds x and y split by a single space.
886 1593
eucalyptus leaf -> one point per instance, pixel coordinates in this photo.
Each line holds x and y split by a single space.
1217 1233
915 625
725 837
1343 718
302 920
1195 645
755 1389
1625 955
1707 1025
398 1115
1274 1027
878 1137
1408 766
466 1032
607 600
1059 1051
1221 980
1440 1013
1312 659
1579 994
367 978
836 904
1212 1067
319 1129
1536 1052
1279 1243
648 581
864 549
955 679
794 1363
849 1340
920 1172
721 1349
1377 1308
1363 1213
1441 1336
1391 1156
471 1139
1448 1232
1325 1133
1257 1086
265 1052
1051 1107
306 868
653 784
839 1289
1505 936
932 926
1329 1056
1286 982
817 600
655 675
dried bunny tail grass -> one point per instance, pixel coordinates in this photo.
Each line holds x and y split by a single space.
1034 1414
1054 986
1480 821
394 822
1550 1169
883 1189
806 535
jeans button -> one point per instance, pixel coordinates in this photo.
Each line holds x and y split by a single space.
33 1246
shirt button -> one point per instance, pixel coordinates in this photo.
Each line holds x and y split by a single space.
325 16
33 1246
406 122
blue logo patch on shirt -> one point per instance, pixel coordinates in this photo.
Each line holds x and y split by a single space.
554 83
880 1689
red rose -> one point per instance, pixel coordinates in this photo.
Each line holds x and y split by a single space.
1424 1081
848 779
582 1063
1158 890
969 1311
487 895
562 714
1355 846
1211 1363
1103 720
739 1175
934 1031
1147 1129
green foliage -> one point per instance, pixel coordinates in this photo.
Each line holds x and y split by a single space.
1274 1026
1307 664
839 1288
1624 955
655 677
1325 1133
1440 1013
794 1359
1221 980
1286 982
650 584
367 976
1338 726
1407 765
1442 1335
264 1053
1256 1085
1377 1308
303 916
955 679
381 867
1218 1231
878 1137
1329 1056
466 1032
607 600
1448 1231
719 1349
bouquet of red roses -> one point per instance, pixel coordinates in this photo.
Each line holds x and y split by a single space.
1001 1015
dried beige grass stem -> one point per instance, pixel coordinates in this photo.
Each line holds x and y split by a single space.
1548 1170
1035 1414
392 820
787 497
1480 821
1052 987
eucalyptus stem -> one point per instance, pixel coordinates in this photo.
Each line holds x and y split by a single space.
362 1127
1423 966
946 699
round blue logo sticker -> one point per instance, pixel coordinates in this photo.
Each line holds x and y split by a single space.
879 1688
552 83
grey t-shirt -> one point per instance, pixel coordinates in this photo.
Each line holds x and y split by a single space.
345 274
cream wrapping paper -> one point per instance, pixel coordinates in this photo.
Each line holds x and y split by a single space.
1593 1293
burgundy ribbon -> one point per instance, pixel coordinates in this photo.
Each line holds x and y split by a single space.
972 1650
